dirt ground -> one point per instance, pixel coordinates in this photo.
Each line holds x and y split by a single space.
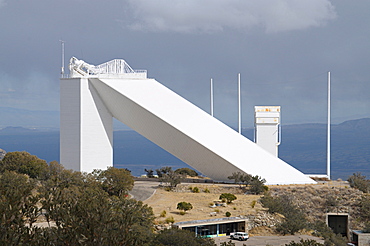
167 201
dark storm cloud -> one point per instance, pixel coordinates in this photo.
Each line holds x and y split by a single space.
282 49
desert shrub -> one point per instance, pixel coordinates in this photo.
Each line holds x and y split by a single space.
169 177
241 178
180 238
184 206
256 185
294 217
365 207
170 220
216 210
331 201
206 190
324 231
195 190
163 213
253 203
307 242
360 182
229 243
228 214
228 197
187 171
367 227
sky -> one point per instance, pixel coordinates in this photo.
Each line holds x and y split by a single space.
283 50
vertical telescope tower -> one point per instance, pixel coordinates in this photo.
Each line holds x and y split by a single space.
267 128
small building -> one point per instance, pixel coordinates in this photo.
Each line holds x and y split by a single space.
339 223
360 238
214 227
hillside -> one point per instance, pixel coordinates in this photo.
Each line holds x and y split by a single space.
303 146
314 200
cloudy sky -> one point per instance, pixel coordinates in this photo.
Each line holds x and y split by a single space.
282 48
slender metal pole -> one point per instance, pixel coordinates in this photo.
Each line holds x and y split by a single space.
211 97
239 107
62 71
328 137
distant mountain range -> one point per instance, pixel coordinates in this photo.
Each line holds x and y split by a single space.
28 118
303 146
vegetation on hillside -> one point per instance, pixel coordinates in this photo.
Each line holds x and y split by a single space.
79 208
360 182
254 184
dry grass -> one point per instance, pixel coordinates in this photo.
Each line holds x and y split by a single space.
167 201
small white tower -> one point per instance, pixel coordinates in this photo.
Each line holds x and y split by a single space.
267 127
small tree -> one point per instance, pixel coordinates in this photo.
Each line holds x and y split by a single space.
171 178
241 178
257 185
294 217
360 182
25 163
365 207
184 206
149 173
228 197
116 181
187 171
163 170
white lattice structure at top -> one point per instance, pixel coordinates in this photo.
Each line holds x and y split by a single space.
116 68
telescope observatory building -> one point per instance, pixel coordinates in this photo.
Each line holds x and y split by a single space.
92 95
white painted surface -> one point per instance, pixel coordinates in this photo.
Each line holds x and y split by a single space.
267 120
173 123
189 133
86 127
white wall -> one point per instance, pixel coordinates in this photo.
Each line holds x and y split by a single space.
86 129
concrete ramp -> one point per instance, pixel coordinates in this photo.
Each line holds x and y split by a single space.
189 133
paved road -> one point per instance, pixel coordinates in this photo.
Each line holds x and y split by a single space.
143 190
268 240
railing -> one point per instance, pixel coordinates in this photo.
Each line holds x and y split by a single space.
116 68
138 74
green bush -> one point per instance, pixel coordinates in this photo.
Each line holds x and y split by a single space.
24 163
195 190
307 242
170 220
163 213
184 206
294 217
187 171
228 197
253 203
228 214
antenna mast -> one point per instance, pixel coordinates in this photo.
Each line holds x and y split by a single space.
239 107
211 97
328 137
62 68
